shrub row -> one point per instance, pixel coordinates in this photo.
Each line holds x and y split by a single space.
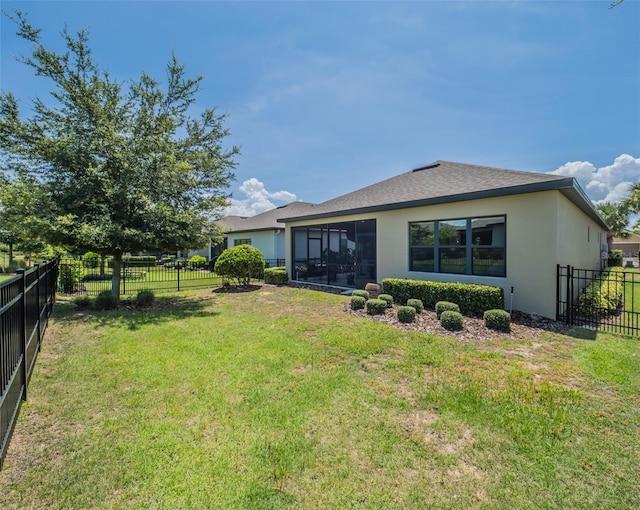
140 260
448 313
107 301
472 299
604 295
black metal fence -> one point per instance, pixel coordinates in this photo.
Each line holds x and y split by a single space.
26 302
78 277
601 300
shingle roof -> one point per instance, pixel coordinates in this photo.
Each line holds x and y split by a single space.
441 182
265 221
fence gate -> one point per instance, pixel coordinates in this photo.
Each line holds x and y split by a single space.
605 300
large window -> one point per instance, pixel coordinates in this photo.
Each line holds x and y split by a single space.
460 246
238 242
341 254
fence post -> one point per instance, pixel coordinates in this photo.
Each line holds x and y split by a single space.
22 303
178 269
39 318
569 295
558 283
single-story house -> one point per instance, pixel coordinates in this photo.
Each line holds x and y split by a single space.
263 231
629 246
451 222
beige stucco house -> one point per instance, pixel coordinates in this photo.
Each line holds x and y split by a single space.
263 231
451 222
630 246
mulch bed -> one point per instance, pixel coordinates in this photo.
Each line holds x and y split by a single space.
523 326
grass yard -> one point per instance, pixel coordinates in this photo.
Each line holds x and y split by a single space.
279 399
632 290
158 279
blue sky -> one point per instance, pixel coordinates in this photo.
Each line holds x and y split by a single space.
326 97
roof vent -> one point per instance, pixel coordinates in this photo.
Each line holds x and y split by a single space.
432 165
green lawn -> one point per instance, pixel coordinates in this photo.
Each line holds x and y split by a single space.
280 399
632 290
158 279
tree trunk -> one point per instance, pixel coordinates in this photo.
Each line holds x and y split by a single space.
115 278
10 254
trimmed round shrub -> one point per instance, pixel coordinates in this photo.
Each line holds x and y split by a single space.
357 302
276 275
361 292
242 262
500 320
83 302
145 298
376 306
451 320
443 306
388 298
417 304
197 261
406 314
91 259
105 301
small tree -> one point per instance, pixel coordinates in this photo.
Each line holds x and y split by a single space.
241 262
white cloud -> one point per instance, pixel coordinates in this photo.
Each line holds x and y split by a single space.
607 183
257 199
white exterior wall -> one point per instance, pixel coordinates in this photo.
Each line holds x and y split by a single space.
580 239
270 242
543 229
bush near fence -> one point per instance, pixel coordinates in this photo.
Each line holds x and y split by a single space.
473 299
604 295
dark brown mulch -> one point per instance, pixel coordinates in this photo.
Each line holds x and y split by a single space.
522 325
234 289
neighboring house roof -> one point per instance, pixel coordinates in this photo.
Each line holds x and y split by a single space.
633 238
265 221
445 182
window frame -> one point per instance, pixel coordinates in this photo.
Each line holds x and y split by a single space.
470 249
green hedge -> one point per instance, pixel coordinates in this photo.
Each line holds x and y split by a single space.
361 292
603 295
139 260
498 319
451 320
406 314
444 306
358 302
375 306
70 276
276 275
473 299
417 304
615 258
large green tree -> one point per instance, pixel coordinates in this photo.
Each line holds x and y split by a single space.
22 209
125 166
632 202
616 215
